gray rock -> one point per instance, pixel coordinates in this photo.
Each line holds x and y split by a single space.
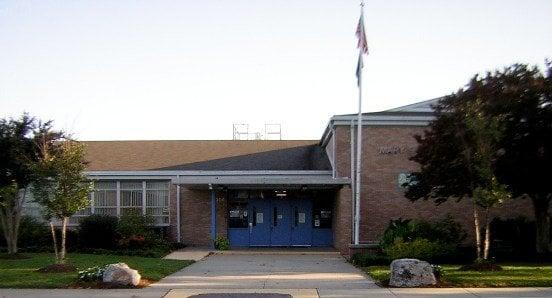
408 273
121 274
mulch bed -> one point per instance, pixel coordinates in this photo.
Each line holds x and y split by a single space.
58 268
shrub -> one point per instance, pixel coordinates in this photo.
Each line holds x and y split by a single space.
136 231
32 234
92 274
420 248
98 231
222 243
365 259
445 230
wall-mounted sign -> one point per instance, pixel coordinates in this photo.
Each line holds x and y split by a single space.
394 150
260 218
301 217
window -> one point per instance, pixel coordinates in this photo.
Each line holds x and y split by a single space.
237 215
131 197
157 201
105 198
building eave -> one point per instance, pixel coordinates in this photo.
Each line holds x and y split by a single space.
227 177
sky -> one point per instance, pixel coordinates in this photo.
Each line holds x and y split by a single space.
143 70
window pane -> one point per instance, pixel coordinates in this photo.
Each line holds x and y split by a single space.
131 198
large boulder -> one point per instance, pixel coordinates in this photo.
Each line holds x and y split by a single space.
408 273
121 274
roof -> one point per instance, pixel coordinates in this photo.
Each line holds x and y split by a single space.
148 155
303 158
418 114
419 108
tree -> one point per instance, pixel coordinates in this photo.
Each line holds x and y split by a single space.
15 173
60 185
458 158
524 104
518 101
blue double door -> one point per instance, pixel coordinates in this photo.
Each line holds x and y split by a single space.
280 222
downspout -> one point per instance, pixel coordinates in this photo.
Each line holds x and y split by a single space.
213 214
178 236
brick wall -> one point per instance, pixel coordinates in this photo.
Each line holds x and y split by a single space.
195 214
385 155
342 220
195 222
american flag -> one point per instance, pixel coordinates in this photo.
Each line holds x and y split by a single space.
361 35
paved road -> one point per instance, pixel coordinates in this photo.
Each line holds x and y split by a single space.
269 271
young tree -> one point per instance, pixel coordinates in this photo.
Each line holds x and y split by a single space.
60 185
458 155
16 162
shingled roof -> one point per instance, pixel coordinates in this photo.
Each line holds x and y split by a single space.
304 158
194 154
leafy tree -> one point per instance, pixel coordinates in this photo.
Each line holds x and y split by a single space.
516 105
524 103
60 185
458 157
16 162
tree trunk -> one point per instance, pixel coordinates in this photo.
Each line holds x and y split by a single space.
477 231
63 237
541 203
487 235
9 226
53 230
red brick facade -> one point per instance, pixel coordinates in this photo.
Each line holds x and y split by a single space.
386 152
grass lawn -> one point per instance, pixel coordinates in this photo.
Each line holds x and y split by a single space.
22 273
512 275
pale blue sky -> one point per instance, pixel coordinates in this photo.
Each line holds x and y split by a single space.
189 69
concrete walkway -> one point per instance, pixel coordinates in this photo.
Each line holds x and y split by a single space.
277 270
189 253
289 273
295 293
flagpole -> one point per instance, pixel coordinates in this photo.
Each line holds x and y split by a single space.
359 148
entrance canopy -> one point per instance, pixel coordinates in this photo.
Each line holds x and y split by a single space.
230 178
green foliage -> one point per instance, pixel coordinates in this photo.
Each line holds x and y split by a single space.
32 233
92 274
60 184
98 231
445 230
18 155
490 139
222 243
420 248
135 230
365 259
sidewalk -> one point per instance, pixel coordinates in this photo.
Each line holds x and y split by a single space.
296 293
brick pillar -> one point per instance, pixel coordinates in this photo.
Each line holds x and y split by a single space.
342 220
222 220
